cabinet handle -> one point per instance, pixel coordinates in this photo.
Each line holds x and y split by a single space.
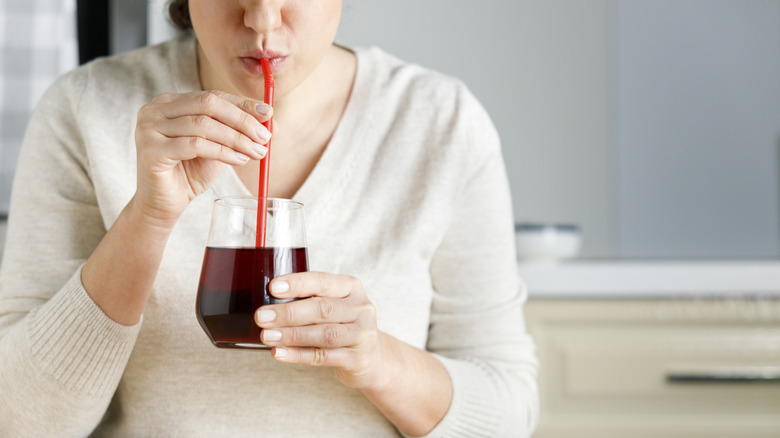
726 375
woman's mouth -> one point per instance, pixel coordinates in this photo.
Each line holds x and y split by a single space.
252 64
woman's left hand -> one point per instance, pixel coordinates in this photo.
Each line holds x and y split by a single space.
334 326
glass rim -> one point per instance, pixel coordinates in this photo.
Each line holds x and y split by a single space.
240 201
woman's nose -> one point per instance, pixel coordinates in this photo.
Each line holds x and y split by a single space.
262 15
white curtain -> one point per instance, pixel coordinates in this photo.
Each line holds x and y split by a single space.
158 27
135 23
37 43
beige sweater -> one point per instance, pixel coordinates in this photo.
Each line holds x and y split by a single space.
410 196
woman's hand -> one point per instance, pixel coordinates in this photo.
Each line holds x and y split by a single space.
335 326
182 142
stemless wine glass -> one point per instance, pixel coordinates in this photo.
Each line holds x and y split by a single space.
235 274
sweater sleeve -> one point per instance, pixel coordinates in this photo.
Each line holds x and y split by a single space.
61 357
477 328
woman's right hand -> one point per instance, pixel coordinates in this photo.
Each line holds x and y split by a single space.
182 142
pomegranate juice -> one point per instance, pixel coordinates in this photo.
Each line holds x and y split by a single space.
234 283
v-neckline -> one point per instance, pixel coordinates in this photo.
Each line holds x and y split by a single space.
328 172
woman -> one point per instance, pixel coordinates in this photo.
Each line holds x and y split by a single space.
412 317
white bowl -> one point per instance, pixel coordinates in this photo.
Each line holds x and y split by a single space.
547 243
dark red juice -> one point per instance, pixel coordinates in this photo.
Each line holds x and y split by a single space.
234 283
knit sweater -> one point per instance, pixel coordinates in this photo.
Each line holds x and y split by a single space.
410 196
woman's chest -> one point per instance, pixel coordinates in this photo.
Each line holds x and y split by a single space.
291 161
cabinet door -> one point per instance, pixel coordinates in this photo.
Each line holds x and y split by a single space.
658 368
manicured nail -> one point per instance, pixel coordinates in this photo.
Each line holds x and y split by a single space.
266 315
263 109
263 132
280 353
241 156
279 287
272 335
260 149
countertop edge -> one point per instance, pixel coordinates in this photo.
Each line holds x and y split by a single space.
652 279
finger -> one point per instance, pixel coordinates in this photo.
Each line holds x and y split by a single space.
328 357
186 102
242 115
165 98
318 335
261 111
215 131
188 148
314 310
312 283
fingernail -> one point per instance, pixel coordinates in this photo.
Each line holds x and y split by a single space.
272 335
241 156
263 109
260 149
279 287
280 353
263 132
266 315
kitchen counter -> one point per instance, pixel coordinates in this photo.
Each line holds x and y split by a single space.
652 279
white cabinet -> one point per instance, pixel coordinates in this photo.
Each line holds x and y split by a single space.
666 349
658 368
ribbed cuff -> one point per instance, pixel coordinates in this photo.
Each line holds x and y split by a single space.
78 344
473 411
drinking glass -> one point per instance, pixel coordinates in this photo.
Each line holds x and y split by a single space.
235 274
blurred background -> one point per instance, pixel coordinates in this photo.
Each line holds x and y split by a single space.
654 125
650 124
650 127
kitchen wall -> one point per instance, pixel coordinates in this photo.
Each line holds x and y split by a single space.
698 128
543 70
653 124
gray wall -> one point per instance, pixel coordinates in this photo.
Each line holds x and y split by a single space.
699 128
542 70
653 124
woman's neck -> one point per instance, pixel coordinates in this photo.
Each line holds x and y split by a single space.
321 96
328 85
304 123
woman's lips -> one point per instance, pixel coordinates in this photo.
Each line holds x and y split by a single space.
252 64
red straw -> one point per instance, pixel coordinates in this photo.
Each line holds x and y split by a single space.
262 190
